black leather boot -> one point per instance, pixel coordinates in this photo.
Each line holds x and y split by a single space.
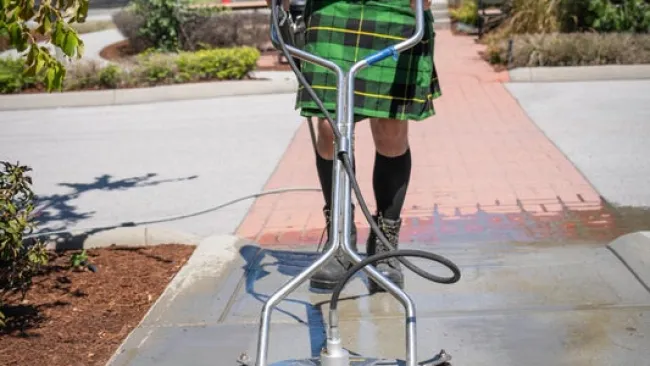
389 267
333 271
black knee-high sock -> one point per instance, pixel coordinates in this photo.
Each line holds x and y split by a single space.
390 181
324 168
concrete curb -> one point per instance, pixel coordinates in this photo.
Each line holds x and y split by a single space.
580 73
266 83
634 251
212 258
135 236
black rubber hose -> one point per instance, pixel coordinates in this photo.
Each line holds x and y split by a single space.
397 253
375 228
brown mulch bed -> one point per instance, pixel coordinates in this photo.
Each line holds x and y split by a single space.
117 51
80 317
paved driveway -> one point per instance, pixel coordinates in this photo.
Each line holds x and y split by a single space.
108 165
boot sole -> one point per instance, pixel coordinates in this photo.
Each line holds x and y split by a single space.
322 285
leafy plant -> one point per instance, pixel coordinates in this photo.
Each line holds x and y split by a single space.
216 27
150 68
54 19
19 260
12 76
628 16
78 260
218 63
110 76
162 20
466 13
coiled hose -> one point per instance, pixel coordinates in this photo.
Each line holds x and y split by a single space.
344 157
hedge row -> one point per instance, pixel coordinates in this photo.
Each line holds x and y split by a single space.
571 49
150 69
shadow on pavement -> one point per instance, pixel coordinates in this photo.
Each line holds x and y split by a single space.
58 208
289 263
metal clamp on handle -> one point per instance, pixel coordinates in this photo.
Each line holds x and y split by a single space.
286 29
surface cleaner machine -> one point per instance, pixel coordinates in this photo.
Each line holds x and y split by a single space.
283 34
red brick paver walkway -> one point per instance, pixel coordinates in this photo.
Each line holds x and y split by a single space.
481 171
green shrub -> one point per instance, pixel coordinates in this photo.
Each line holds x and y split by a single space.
218 64
110 76
211 26
12 76
151 68
629 16
573 49
156 68
19 260
161 22
467 12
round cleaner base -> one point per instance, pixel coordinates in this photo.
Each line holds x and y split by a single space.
440 359
354 361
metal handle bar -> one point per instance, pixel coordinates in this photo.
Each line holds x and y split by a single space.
370 60
341 190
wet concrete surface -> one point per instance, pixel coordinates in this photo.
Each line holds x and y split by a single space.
543 303
552 219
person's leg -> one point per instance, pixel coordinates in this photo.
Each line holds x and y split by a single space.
325 159
330 274
391 176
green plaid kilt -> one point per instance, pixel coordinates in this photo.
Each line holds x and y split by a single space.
346 31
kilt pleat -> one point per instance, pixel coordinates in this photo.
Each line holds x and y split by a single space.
346 31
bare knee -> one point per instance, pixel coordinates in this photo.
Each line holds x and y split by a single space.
390 136
325 143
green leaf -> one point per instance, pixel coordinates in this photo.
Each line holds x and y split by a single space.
40 62
46 25
15 33
80 48
70 44
59 33
49 78
59 76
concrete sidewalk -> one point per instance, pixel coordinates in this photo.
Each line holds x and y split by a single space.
602 127
540 304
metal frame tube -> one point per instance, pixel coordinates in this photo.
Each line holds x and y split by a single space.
294 283
341 215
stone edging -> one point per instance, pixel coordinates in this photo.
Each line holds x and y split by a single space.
266 83
132 236
273 82
634 251
580 73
